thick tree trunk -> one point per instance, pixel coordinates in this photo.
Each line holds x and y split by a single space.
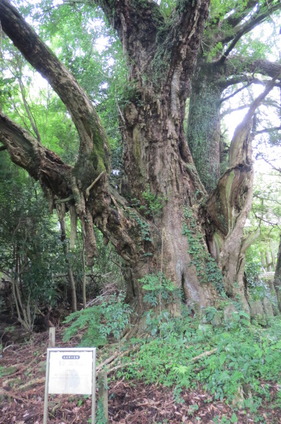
156 156
162 180
204 132
158 165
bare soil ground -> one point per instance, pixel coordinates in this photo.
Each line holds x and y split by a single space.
130 402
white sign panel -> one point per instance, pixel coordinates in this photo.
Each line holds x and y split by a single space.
70 371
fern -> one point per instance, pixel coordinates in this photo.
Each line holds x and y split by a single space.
99 322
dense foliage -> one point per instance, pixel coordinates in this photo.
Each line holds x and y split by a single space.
30 250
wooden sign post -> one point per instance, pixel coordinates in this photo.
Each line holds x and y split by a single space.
71 371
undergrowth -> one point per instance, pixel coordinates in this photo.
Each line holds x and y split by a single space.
236 361
230 357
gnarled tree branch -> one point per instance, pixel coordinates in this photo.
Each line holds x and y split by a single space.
41 163
238 150
185 34
229 204
93 144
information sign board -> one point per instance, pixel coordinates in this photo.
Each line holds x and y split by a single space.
70 371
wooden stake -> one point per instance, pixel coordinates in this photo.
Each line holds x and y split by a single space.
52 336
103 393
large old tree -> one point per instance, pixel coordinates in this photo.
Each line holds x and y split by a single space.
189 224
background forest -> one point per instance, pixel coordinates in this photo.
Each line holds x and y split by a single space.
140 188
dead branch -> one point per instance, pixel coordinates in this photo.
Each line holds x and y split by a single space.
202 355
32 383
88 189
21 370
13 395
117 367
113 358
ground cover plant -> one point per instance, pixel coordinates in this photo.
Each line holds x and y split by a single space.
186 371
231 358
236 361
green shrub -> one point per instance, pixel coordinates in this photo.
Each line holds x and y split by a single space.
99 322
159 289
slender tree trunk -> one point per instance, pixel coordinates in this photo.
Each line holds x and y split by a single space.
61 213
25 312
277 277
84 279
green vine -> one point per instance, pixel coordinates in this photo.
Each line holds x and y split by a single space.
143 226
206 266
154 203
151 204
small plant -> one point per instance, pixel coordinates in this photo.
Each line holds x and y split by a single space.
177 395
192 409
4 371
225 420
151 204
154 203
257 287
211 314
159 289
100 417
99 322
143 226
160 292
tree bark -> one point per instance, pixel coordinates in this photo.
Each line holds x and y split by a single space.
156 155
93 152
219 67
61 216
